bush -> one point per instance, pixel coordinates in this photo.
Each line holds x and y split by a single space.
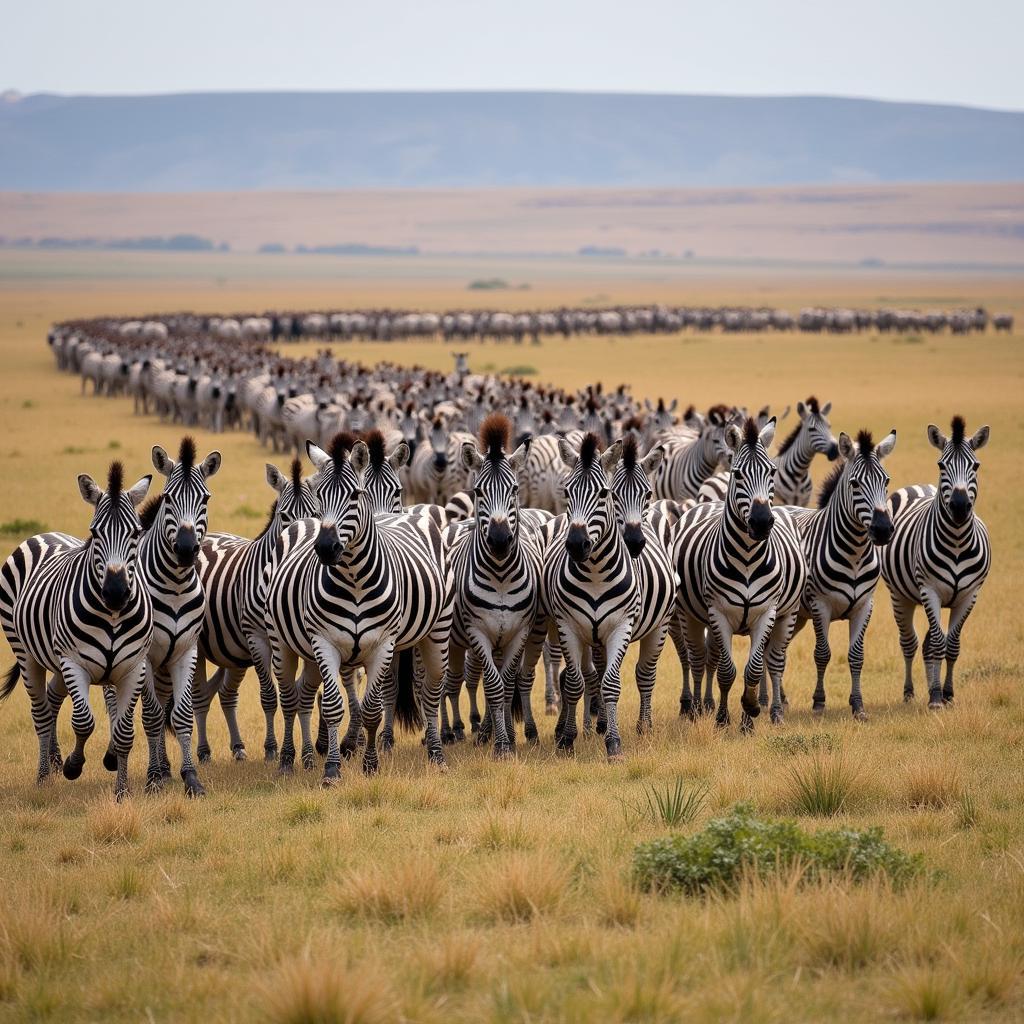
19 527
728 847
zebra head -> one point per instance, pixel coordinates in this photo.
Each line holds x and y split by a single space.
382 483
631 491
815 427
438 440
715 447
958 468
752 477
495 483
114 534
296 498
588 506
184 500
861 484
339 486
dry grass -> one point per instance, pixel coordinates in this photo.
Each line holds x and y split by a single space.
499 892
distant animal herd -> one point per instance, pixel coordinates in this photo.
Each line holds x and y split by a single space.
460 527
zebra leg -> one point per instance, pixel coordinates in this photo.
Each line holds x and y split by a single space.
350 743
552 654
858 627
203 689
433 652
822 652
675 631
331 707
572 691
286 664
259 650
611 687
182 673
934 647
76 681
903 612
456 732
593 675
472 675
122 733
721 635
957 617
523 681
34 677
753 671
378 667
56 691
321 727
712 657
494 692
153 726
647 673
228 697
778 646
309 688
691 632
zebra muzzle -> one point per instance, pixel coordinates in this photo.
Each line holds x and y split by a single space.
633 535
115 590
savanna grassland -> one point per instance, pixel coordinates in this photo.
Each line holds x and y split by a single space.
503 892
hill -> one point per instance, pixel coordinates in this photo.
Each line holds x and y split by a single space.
232 141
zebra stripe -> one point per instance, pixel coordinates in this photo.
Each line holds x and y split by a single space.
813 434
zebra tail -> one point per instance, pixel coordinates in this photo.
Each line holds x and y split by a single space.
10 681
407 708
517 705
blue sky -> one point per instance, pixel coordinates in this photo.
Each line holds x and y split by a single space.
927 50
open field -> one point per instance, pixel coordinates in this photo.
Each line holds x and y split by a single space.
502 892
962 224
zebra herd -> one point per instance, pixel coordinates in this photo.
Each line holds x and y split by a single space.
626 523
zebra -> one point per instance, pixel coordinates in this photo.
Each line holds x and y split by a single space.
592 589
939 557
234 637
354 590
82 612
840 540
691 456
495 565
741 571
813 434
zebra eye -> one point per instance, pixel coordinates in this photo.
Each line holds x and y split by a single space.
738 474
855 484
975 466
602 492
478 492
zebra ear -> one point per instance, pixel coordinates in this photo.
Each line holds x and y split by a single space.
767 434
275 477
845 444
91 493
400 456
518 458
652 460
785 412
886 445
137 493
801 410
317 455
935 437
471 458
826 408
733 437
674 405
610 458
210 465
568 454
162 462
980 438
360 457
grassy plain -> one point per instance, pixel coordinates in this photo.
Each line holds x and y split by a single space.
502 892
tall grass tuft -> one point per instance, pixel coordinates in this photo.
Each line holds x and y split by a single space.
410 890
115 823
312 991
932 785
675 805
521 888
925 993
822 787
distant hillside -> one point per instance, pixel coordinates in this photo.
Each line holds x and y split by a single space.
229 141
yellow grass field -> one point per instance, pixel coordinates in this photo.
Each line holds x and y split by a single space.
502 891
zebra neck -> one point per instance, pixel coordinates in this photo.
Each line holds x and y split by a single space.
364 543
698 466
796 460
848 527
942 526
734 531
162 567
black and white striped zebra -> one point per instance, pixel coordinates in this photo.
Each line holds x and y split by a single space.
939 557
742 572
813 434
692 454
839 540
83 612
234 636
495 565
352 591
594 591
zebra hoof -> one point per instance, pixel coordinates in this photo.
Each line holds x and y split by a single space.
723 721
347 748
287 765
270 754
750 707
154 783
460 733
564 746
204 753
860 715
613 747
709 705
908 696
193 787
685 707
530 733
387 742
474 722
332 775
73 767
947 699
818 708
775 716
504 752
746 724
436 760
550 709
238 753
120 795
56 761
447 737
935 704
110 761
370 763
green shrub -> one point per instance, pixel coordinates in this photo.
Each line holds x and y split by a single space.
728 847
22 527
520 370
793 743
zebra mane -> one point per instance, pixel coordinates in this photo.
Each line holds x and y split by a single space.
790 439
495 432
151 510
270 519
690 410
629 453
296 479
341 447
828 488
751 434
959 430
375 442
115 480
812 404
187 454
718 414
865 442
590 448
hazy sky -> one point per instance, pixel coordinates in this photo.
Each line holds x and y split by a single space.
958 51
